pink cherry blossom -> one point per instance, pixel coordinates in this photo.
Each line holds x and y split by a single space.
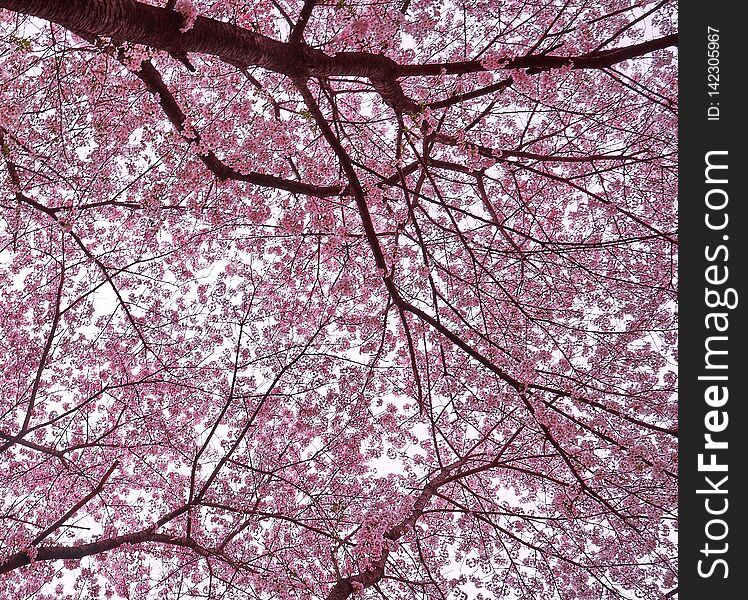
325 300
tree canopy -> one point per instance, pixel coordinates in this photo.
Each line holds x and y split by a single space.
341 298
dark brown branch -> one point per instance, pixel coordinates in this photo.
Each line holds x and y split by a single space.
371 576
21 559
77 506
155 84
499 86
539 62
37 447
297 35
350 172
160 28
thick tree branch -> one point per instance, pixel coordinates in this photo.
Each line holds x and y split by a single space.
371 576
535 63
160 28
77 506
21 559
155 84
297 35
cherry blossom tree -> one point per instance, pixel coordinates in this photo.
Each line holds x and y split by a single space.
333 299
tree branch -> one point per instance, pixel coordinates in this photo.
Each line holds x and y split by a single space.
77 506
160 28
297 35
536 63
